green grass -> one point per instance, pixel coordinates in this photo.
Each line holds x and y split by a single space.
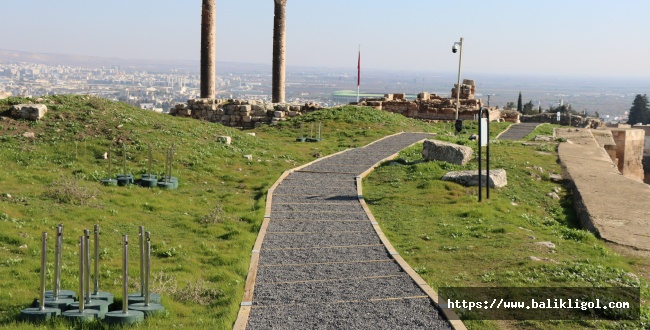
202 234
451 239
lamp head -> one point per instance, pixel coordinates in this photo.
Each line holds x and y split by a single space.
454 48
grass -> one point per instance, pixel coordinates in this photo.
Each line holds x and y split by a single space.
452 240
202 233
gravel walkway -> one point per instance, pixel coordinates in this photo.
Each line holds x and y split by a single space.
322 265
517 132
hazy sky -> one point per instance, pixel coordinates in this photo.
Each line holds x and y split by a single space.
551 37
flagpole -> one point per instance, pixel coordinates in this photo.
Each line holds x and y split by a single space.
358 74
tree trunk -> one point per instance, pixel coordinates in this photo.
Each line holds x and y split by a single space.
279 45
208 51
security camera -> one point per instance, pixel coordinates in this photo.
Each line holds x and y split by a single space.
454 48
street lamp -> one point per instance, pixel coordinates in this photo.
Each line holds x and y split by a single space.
455 48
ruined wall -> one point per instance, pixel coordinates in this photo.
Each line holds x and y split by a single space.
573 120
646 144
629 152
433 107
240 113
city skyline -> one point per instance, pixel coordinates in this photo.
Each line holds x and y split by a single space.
552 38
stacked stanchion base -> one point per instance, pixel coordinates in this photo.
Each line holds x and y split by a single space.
148 310
61 303
36 315
121 318
100 306
135 298
149 181
65 294
124 179
103 296
88 315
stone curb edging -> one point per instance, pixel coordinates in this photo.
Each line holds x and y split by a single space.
247 300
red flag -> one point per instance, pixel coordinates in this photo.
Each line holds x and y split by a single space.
359 69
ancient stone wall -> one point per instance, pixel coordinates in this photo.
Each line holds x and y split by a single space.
629 152
240 113
573 120
646 144
434 107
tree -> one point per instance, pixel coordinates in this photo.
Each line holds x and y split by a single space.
529 108
509 106
208 52
520 106
640 112
279 45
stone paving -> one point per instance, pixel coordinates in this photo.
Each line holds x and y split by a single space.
323 266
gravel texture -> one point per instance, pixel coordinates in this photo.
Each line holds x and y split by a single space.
352 169
306 176
397 286
323 255
320 215
327 271
322 265
313 226
376 315
347 183
305 240
316 208
315 190
317 199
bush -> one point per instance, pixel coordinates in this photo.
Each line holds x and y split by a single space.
69 191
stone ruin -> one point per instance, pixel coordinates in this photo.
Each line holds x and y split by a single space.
240 113
434 107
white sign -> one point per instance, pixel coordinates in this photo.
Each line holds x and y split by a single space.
483 132
558 116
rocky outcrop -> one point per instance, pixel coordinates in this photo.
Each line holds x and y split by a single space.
498 178
446 152
31 112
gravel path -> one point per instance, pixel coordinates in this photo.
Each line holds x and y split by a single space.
518 131
322 265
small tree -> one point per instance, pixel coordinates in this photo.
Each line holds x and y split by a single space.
528 108
520 105
640 112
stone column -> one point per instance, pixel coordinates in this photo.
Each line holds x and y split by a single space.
208 50
279 45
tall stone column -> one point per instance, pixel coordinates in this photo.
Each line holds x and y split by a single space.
279 45
208 49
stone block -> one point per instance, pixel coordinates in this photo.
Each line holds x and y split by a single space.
246 119
399 96
446 152
424 96
292 113
31 112
225 139
498 178
295 108
245 108
278 114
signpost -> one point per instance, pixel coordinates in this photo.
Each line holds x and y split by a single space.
483 141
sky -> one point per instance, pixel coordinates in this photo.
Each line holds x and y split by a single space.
580 38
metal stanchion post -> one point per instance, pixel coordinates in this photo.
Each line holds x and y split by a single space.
82 314
124 316
147 307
